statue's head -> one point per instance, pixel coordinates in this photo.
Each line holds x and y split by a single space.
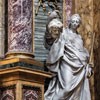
75 21
54 28
54 24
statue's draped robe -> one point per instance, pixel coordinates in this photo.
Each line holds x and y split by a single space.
68 60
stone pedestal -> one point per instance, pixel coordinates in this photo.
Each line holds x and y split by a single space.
18 82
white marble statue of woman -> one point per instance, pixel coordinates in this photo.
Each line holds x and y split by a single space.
68 59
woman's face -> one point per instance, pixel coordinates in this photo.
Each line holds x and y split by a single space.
74 24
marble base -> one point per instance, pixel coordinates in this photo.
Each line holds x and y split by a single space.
22 62
20 83
10 55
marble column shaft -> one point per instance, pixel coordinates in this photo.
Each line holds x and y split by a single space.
20 26
68 10
2 32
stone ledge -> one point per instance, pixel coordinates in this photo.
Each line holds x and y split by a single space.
23 62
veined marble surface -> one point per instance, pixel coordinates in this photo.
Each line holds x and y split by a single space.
85 9
68 10
20 26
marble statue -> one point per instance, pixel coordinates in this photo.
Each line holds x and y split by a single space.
68 59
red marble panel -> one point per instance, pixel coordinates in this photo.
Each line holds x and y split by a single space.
20 26
7 94
31 93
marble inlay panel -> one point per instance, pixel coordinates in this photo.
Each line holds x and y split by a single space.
31 93
20 26
7 93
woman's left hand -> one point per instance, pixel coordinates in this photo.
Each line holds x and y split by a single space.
89 70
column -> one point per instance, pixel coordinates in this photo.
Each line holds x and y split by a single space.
20 30
2 32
